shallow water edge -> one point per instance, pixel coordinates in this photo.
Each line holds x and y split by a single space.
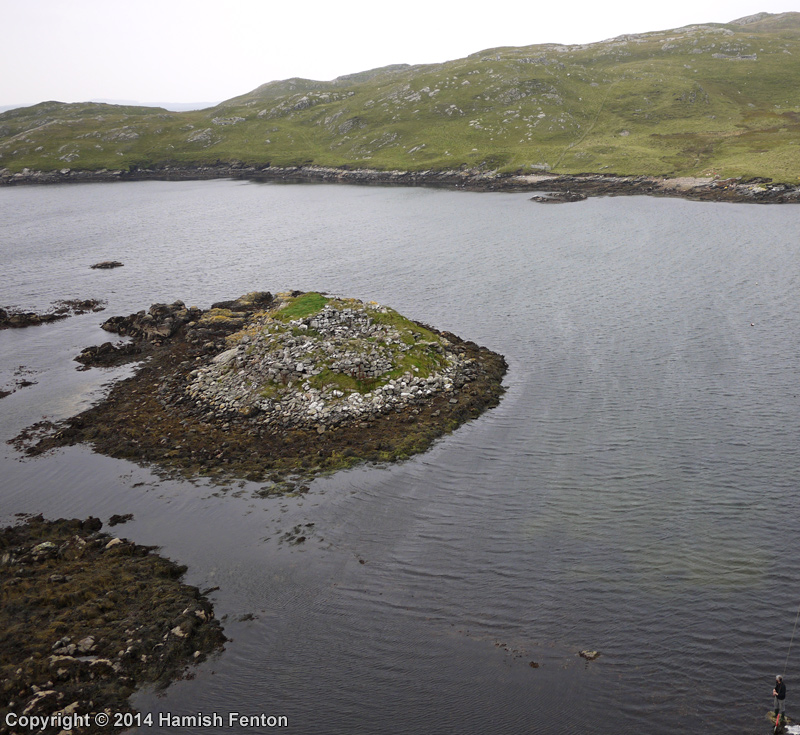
761 191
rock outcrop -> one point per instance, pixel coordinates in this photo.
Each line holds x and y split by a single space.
753 190
86 619
268 386
16 319
558 197
346 362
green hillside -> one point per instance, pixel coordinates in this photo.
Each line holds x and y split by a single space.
719 99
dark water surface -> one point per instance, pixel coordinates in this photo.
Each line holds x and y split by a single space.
634 492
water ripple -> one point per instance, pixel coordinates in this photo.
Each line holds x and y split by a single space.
634 492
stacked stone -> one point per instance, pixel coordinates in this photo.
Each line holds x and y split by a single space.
267 374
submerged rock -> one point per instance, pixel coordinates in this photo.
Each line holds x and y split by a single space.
116 519
265 385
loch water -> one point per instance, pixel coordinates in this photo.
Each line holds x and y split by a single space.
635 492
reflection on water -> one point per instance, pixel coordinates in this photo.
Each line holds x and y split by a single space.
634 492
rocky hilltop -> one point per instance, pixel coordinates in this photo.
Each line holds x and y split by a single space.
714 100
266 386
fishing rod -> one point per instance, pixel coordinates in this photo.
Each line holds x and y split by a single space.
778 725
786 663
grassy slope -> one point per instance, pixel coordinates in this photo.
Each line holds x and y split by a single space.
719 99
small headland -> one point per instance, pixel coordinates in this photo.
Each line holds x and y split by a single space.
571 188
86 619
266 387
17 319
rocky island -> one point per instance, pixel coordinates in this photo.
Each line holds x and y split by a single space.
266 387
85 620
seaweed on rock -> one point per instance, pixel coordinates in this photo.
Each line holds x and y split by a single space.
266 387
86 619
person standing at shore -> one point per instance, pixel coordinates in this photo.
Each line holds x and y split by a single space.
779 699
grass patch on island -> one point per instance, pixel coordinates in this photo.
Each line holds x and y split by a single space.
301 307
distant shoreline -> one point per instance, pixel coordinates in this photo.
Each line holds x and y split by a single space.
579 186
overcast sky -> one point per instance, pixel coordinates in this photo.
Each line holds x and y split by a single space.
201 51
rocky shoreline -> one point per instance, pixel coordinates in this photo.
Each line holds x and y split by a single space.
755 190
86 619
16 319
267 387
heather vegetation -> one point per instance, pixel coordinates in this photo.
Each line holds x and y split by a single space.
703 100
